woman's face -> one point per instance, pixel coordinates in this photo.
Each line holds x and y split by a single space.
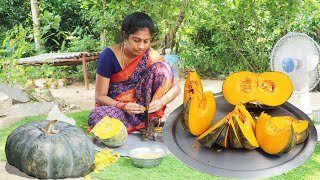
139 41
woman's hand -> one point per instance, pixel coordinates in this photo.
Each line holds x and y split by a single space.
155 106
133 108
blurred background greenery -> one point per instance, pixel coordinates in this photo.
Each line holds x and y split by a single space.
215 37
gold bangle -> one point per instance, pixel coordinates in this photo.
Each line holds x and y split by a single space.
161 102
123 106
114 103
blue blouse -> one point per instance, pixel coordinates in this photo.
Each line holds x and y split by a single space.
108 63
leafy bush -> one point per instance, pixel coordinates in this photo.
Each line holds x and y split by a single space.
227 36
216 37
15 45
80 41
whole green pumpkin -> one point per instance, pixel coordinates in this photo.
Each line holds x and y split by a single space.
50 149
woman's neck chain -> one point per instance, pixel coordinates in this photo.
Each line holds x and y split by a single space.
123 57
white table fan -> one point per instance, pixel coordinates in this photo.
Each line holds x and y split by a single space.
298 56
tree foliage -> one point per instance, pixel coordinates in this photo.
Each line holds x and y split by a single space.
239 35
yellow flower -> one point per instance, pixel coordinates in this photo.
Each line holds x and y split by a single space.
105 158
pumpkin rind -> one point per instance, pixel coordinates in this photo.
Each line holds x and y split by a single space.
110 131
268 88
68 153
184 119
233 136
199 106
301 127
222 139
245 132
208 138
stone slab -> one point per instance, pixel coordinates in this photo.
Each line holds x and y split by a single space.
5 104
16 94
19 111
8 172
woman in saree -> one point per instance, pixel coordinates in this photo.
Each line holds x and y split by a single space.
131 76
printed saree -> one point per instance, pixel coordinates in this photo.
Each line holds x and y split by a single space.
145 79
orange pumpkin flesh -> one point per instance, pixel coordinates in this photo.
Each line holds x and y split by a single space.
244 114
268 88
274 135
192 85
300 127
199 106
274 88
239 88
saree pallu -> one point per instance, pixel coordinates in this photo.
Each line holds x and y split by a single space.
145 79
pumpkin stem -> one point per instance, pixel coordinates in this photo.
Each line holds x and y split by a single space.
50 128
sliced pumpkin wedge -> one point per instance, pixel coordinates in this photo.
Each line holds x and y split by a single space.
209 137
273 135
245 132
233 136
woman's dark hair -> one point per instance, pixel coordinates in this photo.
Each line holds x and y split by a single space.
136 21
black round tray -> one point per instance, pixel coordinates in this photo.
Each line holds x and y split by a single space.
236 163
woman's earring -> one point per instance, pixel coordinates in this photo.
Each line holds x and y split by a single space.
124 42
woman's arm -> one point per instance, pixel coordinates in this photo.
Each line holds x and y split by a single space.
101 97
157 105
101 91
171 94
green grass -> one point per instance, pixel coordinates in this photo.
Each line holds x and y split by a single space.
171 168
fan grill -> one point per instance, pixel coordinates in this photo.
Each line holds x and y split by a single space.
298 56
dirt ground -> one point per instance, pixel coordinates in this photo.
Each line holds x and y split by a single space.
80 98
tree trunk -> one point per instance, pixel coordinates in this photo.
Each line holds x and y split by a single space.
103 41
36 24
169 39
103 32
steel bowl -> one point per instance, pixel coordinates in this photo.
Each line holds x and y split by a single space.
146 157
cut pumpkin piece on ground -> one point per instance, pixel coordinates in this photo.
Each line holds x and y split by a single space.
110 131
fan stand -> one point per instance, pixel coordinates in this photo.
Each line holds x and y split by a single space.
304 103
